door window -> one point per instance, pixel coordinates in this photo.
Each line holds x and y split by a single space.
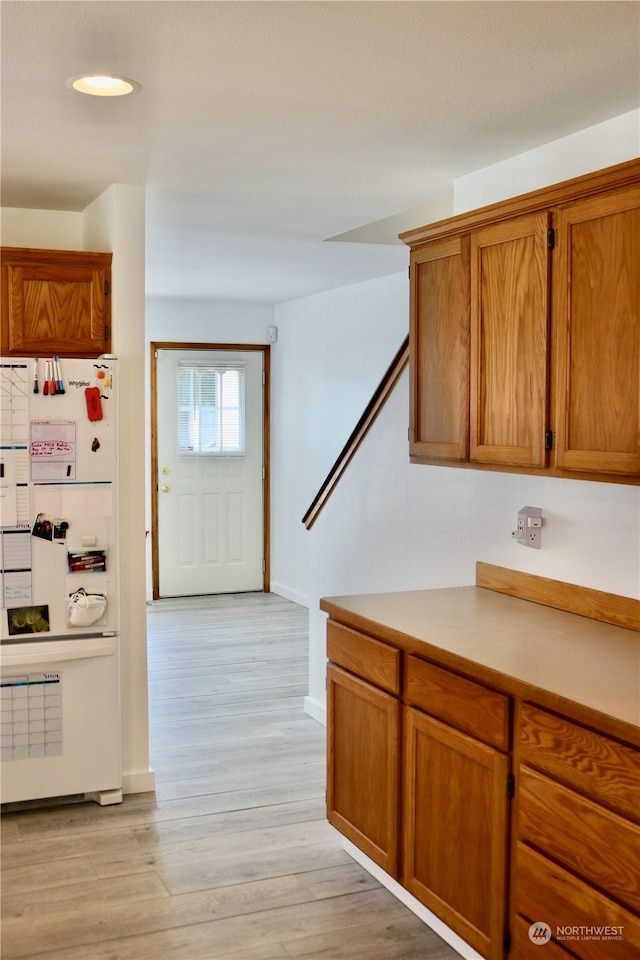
211 419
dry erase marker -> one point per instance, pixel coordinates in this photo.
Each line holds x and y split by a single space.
59 381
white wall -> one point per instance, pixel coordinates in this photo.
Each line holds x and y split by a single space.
603 145
406 527
391 525
115 221
207 321
42 229
332 351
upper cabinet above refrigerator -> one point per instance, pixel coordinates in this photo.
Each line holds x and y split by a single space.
55 302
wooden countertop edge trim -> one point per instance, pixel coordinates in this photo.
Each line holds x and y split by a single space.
501 682
595 604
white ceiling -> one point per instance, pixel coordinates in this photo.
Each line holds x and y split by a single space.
263 129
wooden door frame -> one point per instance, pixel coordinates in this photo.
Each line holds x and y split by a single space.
263 348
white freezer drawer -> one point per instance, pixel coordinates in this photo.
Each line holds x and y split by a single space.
60 719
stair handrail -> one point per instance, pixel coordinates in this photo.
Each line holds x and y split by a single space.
364 424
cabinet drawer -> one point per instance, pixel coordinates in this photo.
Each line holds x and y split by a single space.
524 948
601 768
463 703
368 658
586 838
544 892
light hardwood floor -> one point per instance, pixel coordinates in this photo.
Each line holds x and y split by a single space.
231 858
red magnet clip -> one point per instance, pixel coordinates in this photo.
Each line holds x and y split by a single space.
94 406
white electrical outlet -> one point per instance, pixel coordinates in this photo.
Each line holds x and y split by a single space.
528 530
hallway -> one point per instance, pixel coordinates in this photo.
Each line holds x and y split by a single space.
232 858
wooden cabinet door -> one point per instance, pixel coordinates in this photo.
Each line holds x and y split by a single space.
455 829
509 324
55 303
597 316
439 350
363 729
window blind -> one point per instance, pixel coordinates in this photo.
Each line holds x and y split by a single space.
211 411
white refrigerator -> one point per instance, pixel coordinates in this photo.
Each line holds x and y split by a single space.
59 616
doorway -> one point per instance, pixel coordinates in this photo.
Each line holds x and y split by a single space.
210 469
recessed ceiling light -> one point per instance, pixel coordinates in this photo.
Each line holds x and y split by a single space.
103 85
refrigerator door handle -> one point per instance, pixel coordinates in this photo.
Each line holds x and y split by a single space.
107 649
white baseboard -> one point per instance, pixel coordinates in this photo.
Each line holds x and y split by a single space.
142 782
316 710
294 595
427 917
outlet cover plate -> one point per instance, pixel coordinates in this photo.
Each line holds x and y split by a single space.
529 525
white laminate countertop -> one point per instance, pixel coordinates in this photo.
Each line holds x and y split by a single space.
518 644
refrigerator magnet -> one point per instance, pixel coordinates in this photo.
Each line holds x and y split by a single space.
94 404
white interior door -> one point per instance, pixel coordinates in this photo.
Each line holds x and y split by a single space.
210 471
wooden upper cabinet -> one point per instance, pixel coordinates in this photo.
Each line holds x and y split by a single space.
525 332
597 316
509 353
439 347
55 302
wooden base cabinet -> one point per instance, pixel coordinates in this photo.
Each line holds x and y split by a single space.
55 303
508 803
363 766
576 862
434 813
363 743
455 829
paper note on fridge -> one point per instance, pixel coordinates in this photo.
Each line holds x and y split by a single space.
52 450
15 563
74 500
8 489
